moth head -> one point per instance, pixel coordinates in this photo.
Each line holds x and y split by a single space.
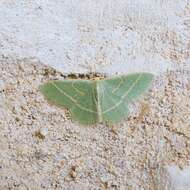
98 78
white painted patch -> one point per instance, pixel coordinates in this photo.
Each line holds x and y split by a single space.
85 35
173 178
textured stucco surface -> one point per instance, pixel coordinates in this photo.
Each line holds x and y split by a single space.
41 148
149 150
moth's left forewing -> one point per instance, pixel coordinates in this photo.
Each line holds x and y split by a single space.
75 95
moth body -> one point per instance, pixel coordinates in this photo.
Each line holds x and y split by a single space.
99 109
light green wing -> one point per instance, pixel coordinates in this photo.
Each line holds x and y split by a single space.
116 94
79 96
90 102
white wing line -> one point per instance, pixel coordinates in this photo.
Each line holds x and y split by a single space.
118 86
72 99
79 91
125 94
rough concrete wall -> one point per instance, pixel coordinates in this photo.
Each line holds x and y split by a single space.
94 35
42 148
107 36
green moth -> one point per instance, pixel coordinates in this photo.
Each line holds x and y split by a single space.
93 101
